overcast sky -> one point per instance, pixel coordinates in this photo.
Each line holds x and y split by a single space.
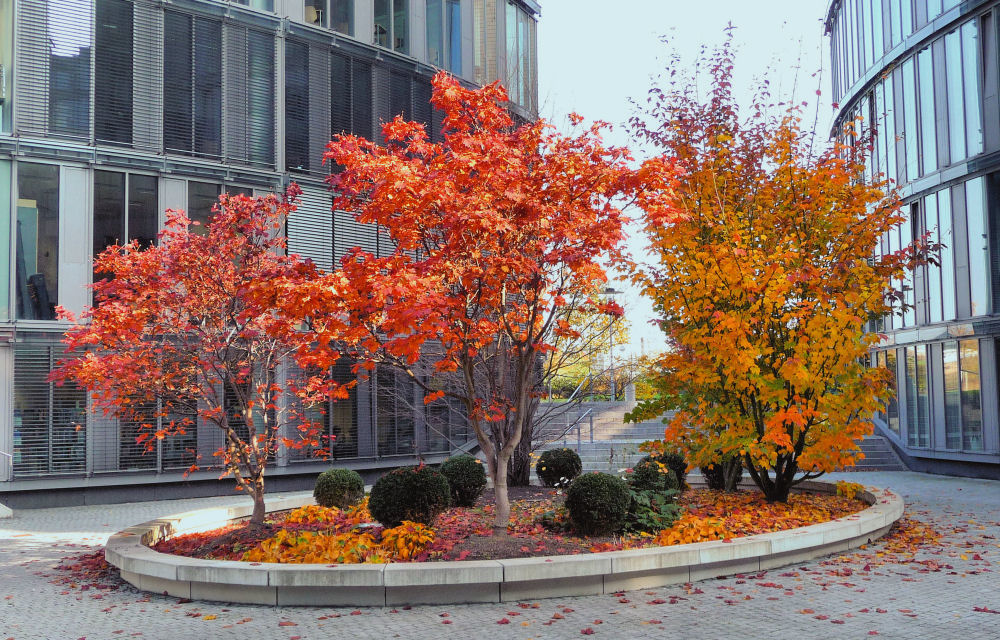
593 55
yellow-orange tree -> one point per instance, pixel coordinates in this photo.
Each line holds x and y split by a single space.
765 282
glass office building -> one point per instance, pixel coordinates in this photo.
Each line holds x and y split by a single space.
112 111
923 75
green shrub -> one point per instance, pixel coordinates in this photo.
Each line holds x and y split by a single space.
339 488
466 477
418 494
597 504
651 511
647 475
673 461
558 467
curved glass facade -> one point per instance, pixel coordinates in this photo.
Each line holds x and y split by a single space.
113 111
921 76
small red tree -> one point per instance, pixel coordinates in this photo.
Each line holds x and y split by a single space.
496 228
186 327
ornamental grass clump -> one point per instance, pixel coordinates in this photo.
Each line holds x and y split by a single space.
466 477
598 504
558 467
418 494
339 488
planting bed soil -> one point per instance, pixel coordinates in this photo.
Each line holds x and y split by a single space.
466 533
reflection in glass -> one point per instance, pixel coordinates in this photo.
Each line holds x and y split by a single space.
910 129
933 271
202 196
892 407
342 16
975 208
952 399
435 33
970 69
956 105
37 241
947 240
928 124
972 409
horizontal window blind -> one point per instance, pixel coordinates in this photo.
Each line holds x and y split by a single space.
147 75
249 96
113 72
310 227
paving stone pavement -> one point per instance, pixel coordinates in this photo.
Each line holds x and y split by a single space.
934 595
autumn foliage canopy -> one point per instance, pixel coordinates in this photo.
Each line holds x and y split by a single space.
495 228
766 283
183 331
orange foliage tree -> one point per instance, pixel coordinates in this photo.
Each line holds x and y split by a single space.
184 330
765 281
496 228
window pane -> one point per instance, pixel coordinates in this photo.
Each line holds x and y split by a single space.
928 132
342 16
296 105
113 71
892 408
177 81
314 10
956 105
69 33
906 237
361 97
382 26
208 87
260 97
454 37
952 410
37 241
947 255
399 96
513 81
910 131
400 26
344 416
972 412
202 196
109 210
975 209
143 209
435 33
923 399
912 432
970 68
933 272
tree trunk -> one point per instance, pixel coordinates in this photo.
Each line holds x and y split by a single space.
257 492
520 464
501 515
732 473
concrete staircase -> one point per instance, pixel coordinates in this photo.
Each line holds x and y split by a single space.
599 434
879 456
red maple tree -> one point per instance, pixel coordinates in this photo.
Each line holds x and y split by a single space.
495 229
184 331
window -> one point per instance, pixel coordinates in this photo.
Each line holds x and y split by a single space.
400 102
70 47
264 5
6 62
910 128
202 196
296 105
391 25
250 103
444 34
970 72
928 125
917 398
350 96
37 241
342 16
113 72
963 404
394 413
315 12
50 420
119 219
192 85
975 209
892 406
956 104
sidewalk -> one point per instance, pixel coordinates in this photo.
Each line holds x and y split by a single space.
935 597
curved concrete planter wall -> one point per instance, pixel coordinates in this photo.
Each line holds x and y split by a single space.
472 581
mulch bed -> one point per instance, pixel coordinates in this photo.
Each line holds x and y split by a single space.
466 533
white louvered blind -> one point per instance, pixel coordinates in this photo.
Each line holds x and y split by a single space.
310 227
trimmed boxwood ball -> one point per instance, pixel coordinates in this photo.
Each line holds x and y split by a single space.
418 494
558 467
466 477
339 488
597 503
649 476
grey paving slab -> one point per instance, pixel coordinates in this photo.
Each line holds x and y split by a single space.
933 594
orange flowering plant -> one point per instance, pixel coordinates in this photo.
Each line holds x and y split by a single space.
766 281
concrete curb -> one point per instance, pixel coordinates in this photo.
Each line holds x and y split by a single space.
478 581
5 511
